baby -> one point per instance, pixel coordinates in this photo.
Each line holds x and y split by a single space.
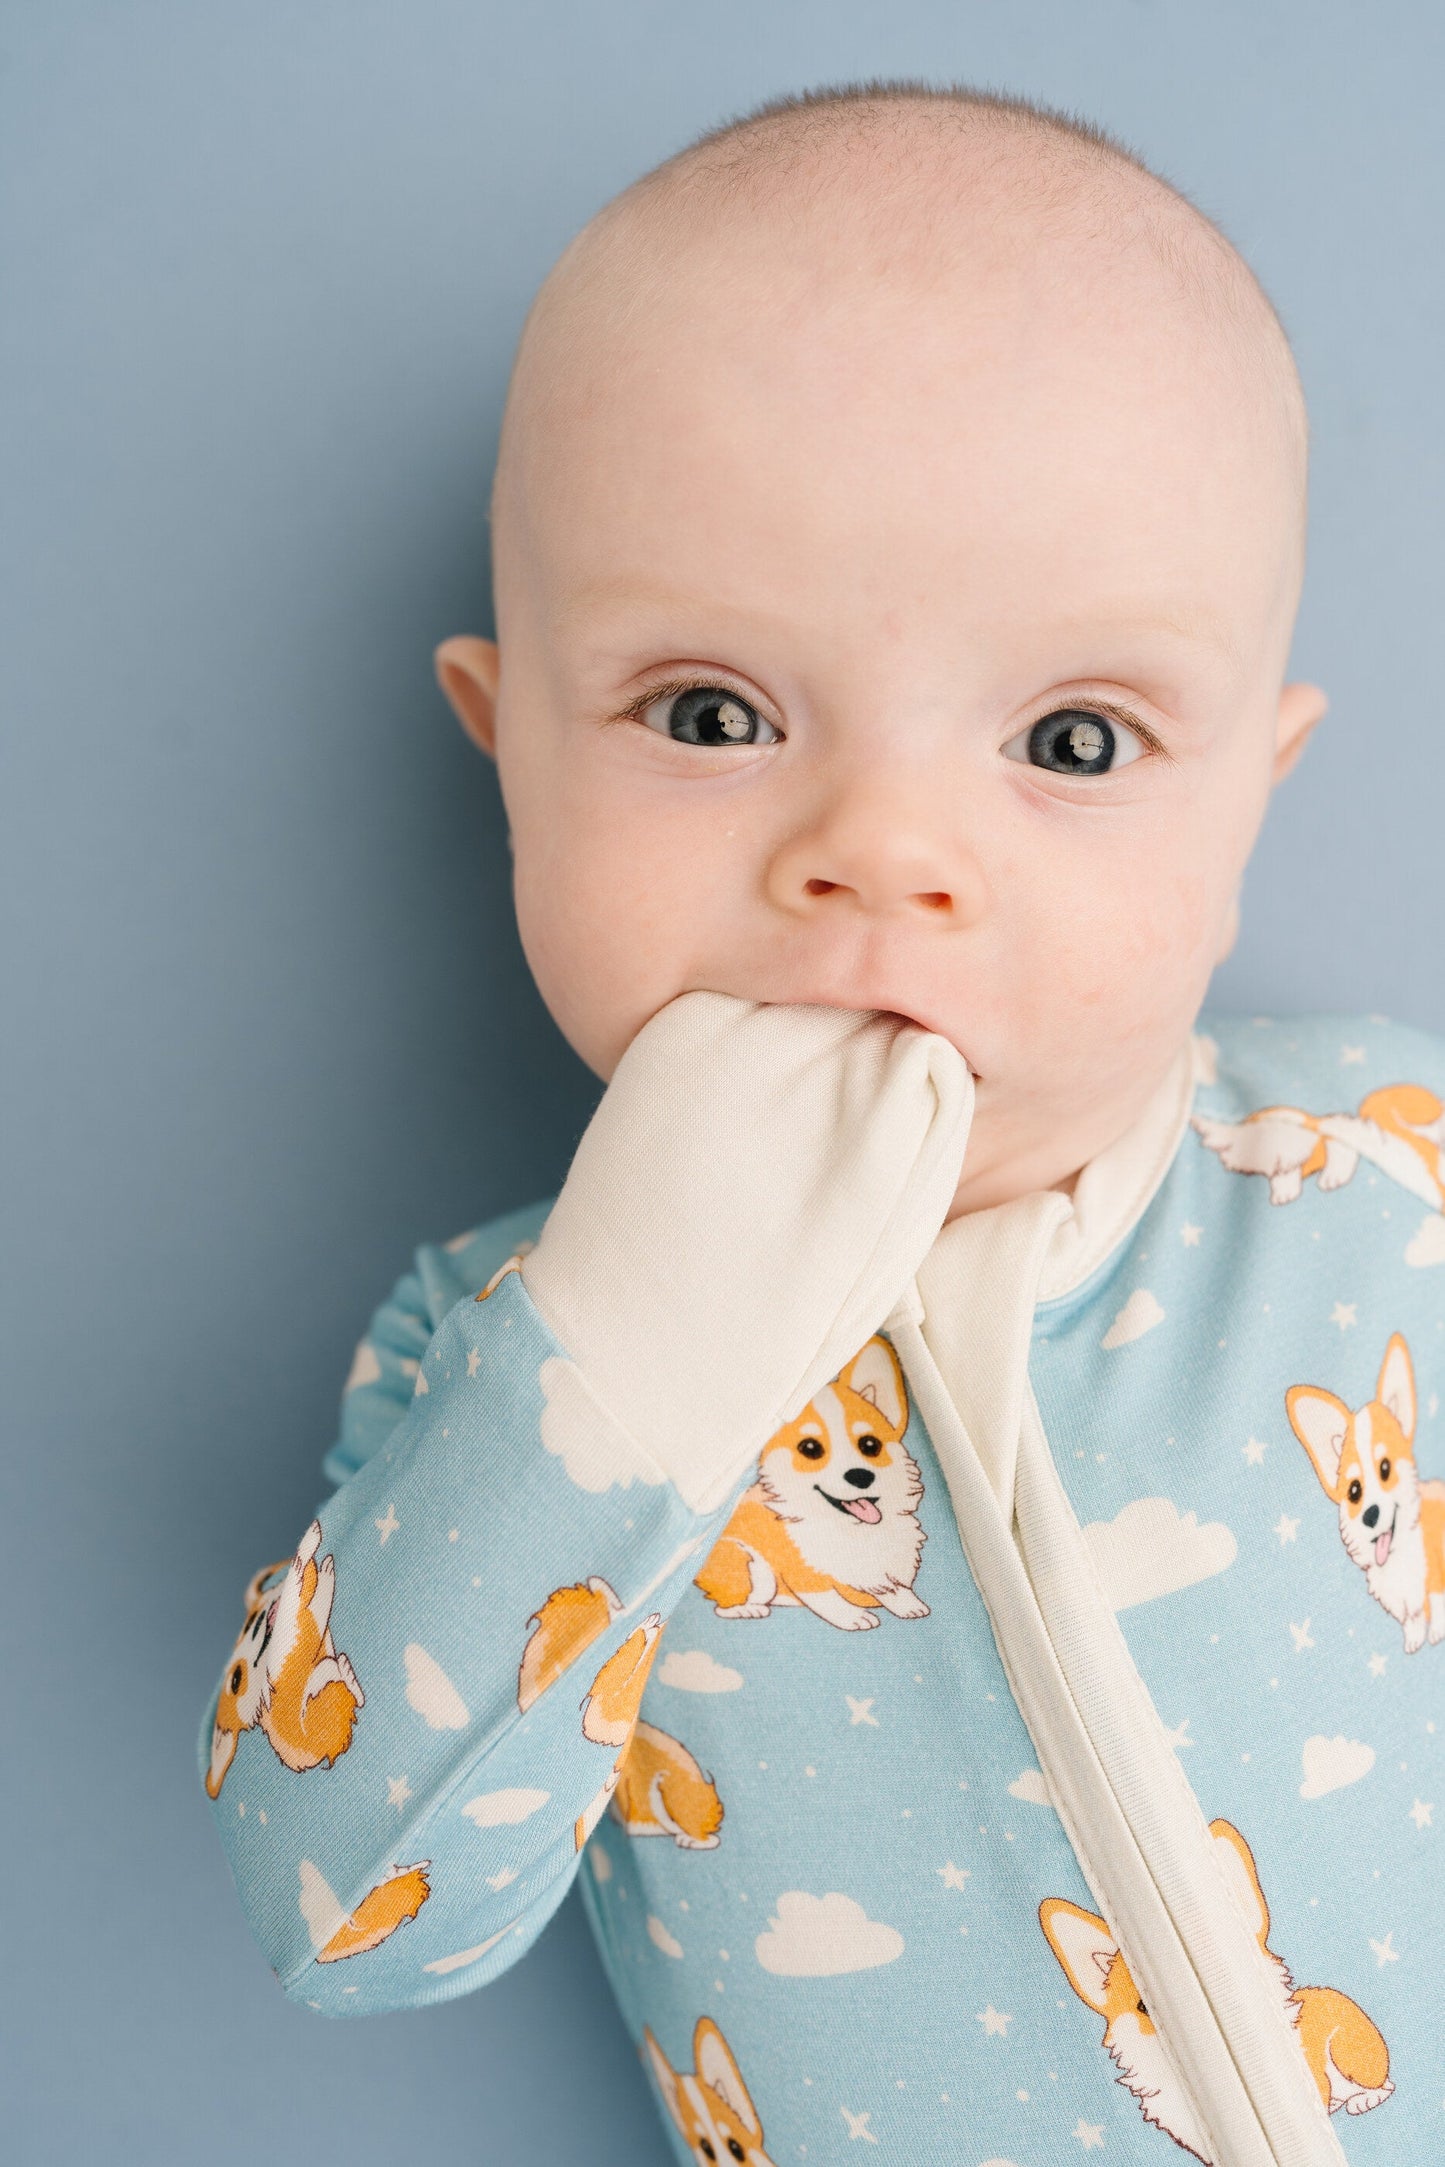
871 1520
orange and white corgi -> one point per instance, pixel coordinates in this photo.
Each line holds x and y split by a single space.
1346 2054
830 1521
662 1791
712 2108
285 1674
381 1911
567 1623
1400 1129
1391 1523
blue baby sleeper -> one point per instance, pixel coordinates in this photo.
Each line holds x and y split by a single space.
1039 1751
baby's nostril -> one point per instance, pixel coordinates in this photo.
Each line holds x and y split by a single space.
1370 1515
860 1477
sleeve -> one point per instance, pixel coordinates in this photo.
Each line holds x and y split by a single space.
427 1704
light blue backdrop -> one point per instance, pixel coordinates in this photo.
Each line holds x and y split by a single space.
266 1022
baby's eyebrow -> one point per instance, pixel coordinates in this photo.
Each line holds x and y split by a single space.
1197 628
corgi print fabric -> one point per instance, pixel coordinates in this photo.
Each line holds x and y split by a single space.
1347 2058
777 1748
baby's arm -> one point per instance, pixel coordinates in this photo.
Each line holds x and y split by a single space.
423 1715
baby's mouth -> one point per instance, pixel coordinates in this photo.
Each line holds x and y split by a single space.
858 1508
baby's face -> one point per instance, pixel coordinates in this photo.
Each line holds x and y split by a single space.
897 641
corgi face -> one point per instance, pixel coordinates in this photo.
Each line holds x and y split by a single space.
712 2109
843 1458
242 1690
1365 1459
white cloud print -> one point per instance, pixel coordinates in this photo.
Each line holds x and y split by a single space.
817 1937
1139 1315
693 1670
503 1809
1151 1549
1330 1763
594 1451
1426 1245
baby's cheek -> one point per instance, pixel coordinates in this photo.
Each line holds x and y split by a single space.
1136 949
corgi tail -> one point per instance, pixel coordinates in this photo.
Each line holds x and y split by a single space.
567 1623
381 1911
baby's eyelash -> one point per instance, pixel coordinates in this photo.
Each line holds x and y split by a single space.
674 686
641 701
1087 702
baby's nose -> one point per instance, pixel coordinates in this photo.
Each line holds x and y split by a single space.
885 855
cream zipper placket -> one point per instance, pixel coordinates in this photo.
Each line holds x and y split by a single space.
1136 1828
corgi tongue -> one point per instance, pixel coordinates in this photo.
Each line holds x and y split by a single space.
863 1508
1382 1545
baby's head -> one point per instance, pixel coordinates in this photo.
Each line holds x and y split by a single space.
898 531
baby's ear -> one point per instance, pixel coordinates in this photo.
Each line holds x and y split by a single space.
467 671
1300 708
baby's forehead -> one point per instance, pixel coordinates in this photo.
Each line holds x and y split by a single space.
1005 297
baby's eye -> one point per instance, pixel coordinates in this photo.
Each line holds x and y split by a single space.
707 715
1075 741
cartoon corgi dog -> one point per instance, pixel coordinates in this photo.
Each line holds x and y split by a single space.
1400 1129
830 1521
567 1623
1347 2056
713 2108
663 1792
381 1911
1391 1523
285 1674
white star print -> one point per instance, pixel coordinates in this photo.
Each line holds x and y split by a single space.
1179 1736
1285 1528
389 1525
859 1711
858 2125
1089 2134
500 1880
953 1877
1189 1235
995 2023
1377 1666
474 1360
1384 1953
1255 1450
1343 1314
1301 1635
1420 1814
1352 1056
398 1791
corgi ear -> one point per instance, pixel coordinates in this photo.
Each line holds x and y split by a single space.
1321 1423
713 2061
1237 1859
1396 1388
876 1374
1083 1945
664 2074
223 1752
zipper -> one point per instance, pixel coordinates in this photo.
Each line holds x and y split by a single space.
1134 1824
